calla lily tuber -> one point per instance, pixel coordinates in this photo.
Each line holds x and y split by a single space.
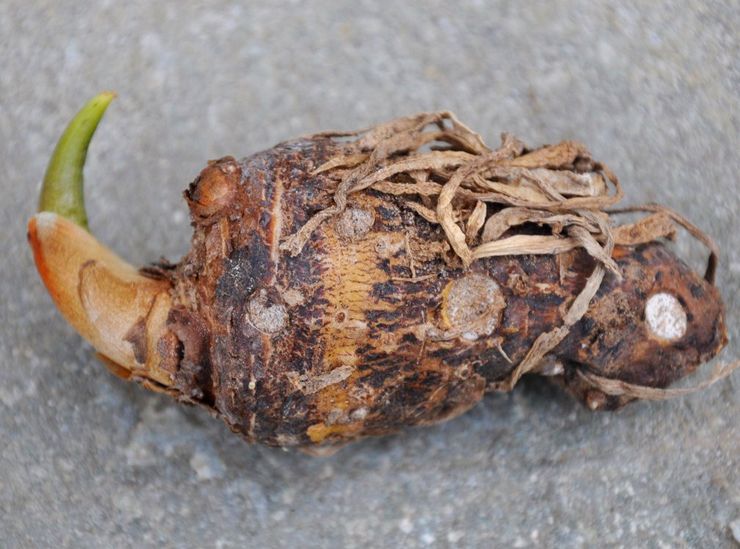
350 284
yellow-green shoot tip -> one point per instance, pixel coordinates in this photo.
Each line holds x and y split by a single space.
62 190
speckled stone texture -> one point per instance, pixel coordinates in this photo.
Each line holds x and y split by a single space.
88 460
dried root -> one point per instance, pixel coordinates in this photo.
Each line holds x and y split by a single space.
488 202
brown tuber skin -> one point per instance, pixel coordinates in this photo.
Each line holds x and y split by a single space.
344 311
374 325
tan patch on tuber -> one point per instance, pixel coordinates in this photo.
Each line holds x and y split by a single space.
309 385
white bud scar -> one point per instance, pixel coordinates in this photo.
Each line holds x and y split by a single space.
268 317
472 305
665 316
355 223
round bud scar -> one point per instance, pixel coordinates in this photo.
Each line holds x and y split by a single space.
266 315
665 316
355 223
473 304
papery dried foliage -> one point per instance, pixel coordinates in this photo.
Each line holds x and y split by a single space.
496 202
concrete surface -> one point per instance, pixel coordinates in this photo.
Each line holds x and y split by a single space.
87 460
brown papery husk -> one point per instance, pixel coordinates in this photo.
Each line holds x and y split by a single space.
487 200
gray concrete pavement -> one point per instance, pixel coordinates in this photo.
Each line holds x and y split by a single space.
87 460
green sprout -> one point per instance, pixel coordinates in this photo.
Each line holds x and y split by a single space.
62 189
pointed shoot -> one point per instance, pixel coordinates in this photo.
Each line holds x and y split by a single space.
62 191
122 313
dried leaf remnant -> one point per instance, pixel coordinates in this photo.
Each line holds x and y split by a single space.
478 195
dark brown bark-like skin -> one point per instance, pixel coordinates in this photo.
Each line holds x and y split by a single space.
341 341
